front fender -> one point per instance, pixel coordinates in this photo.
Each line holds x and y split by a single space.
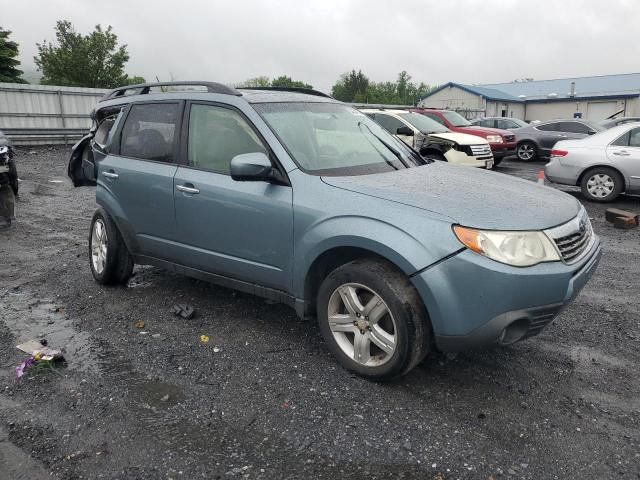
402 249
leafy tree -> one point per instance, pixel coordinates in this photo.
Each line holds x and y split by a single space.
93 60
350 85
135 80
287 82
8 59
356 87
255 82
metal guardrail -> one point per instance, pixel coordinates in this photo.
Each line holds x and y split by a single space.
49 135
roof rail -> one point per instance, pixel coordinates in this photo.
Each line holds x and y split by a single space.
307 91
145 88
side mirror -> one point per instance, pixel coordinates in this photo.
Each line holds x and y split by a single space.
404 131
253 167
592 132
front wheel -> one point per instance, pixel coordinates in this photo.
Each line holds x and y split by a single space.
110 261
601 184
373 319
527 152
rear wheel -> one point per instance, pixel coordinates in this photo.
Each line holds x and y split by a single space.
373 319
110 260
527 151
601 184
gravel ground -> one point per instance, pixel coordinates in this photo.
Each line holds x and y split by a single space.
264 399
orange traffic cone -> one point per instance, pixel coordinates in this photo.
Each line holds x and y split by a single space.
541 177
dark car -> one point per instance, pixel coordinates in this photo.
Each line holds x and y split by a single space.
536 141
503 123
614 122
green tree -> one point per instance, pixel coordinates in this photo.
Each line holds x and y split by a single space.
135 80
95 60
350 85
8 59
287 82
255 82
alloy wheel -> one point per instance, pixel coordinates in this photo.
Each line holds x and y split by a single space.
362 324
99 246
525 152
600 185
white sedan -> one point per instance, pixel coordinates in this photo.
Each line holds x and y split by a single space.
602 165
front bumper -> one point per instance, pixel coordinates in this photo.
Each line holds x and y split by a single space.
474 301
501 150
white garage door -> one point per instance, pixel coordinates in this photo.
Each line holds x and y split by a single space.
601 110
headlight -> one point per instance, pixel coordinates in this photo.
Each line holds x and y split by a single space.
494 139
520 249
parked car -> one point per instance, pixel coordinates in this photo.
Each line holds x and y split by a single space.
537 140
502 142
432 139
502 123
614 122
603 165
302 199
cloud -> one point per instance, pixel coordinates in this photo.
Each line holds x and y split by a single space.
317 40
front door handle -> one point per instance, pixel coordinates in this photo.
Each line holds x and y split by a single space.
622 153
187 189
110 174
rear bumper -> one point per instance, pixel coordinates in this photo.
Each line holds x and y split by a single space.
556 172
475 302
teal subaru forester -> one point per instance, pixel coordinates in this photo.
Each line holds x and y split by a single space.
294 196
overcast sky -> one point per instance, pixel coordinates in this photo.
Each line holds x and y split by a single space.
465 41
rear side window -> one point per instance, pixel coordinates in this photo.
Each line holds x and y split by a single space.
629 139
573 127
149 132
389 123
218 134
549 127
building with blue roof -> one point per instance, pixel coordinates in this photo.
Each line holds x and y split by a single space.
593 98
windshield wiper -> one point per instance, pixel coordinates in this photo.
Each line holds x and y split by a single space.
396 153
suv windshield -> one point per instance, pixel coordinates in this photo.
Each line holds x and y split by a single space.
422 123
334 139
456 119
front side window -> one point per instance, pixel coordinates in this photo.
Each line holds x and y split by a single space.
105 131
149 132
389 123
335 139
422 123
216 135
455 119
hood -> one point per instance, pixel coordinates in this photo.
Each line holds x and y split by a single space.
460 138
486 130
471 197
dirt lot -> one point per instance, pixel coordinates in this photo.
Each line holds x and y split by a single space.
264 399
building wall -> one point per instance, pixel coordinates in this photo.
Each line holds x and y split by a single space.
454 98
590 109
514 110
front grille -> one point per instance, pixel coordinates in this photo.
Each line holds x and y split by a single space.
573 238
509 138
480 150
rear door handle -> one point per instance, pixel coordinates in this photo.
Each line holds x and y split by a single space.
110 174
622 153
187 189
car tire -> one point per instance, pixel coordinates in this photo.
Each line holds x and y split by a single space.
380 348
497 161
601 184
527 151
109 259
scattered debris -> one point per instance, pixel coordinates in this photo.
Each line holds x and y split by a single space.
183 310
216 349
165 398
541 177
625 223
139 324
204 338
41 356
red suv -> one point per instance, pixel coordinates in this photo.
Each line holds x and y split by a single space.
502 142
